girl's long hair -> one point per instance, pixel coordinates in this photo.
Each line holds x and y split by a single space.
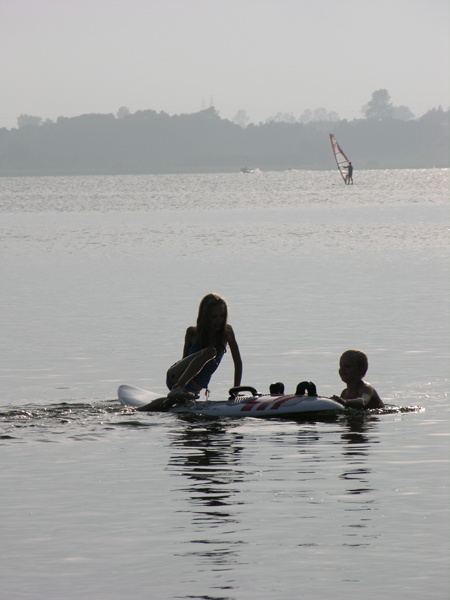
204 339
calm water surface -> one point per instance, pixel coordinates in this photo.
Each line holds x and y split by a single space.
101 276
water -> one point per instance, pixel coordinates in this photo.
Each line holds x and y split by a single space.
101 276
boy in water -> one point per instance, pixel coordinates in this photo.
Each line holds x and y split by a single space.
353 366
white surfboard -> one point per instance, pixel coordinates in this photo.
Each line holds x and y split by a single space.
254 405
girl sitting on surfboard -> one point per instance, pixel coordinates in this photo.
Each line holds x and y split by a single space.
204 346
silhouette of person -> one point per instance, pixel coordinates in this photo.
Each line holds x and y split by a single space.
349 174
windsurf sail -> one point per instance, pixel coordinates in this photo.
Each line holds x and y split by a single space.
341 160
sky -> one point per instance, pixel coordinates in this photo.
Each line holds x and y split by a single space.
72 57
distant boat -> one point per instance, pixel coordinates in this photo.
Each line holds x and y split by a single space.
341 160
248 170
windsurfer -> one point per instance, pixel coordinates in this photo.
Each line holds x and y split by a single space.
349 174
342 161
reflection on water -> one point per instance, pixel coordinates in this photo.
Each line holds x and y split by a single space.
359 424
227 468
362 495
208 454
210 449
240 493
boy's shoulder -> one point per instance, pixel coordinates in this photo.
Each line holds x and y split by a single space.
375 400
366 387
356 391
367 392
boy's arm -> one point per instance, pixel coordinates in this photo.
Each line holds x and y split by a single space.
361 402
367 394
342 399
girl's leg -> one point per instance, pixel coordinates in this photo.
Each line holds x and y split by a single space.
187 368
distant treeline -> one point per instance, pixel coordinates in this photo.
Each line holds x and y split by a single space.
151 142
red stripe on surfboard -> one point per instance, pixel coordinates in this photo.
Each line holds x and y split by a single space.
249 405
264 405
279 403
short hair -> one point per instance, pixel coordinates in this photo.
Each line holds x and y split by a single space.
361 360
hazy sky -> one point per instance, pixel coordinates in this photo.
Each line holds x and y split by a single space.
71 57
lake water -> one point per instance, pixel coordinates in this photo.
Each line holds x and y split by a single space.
100 278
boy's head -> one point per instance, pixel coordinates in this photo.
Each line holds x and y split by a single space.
358 359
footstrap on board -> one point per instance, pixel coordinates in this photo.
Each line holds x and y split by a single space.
306 386
234 397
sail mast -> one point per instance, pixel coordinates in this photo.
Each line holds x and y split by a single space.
341 160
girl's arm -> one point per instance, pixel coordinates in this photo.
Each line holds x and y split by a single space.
234 349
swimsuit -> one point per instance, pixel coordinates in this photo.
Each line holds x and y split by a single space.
201 380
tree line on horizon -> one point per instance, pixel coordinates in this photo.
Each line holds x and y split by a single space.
378 107
151 142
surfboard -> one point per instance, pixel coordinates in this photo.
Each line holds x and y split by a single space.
250 405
